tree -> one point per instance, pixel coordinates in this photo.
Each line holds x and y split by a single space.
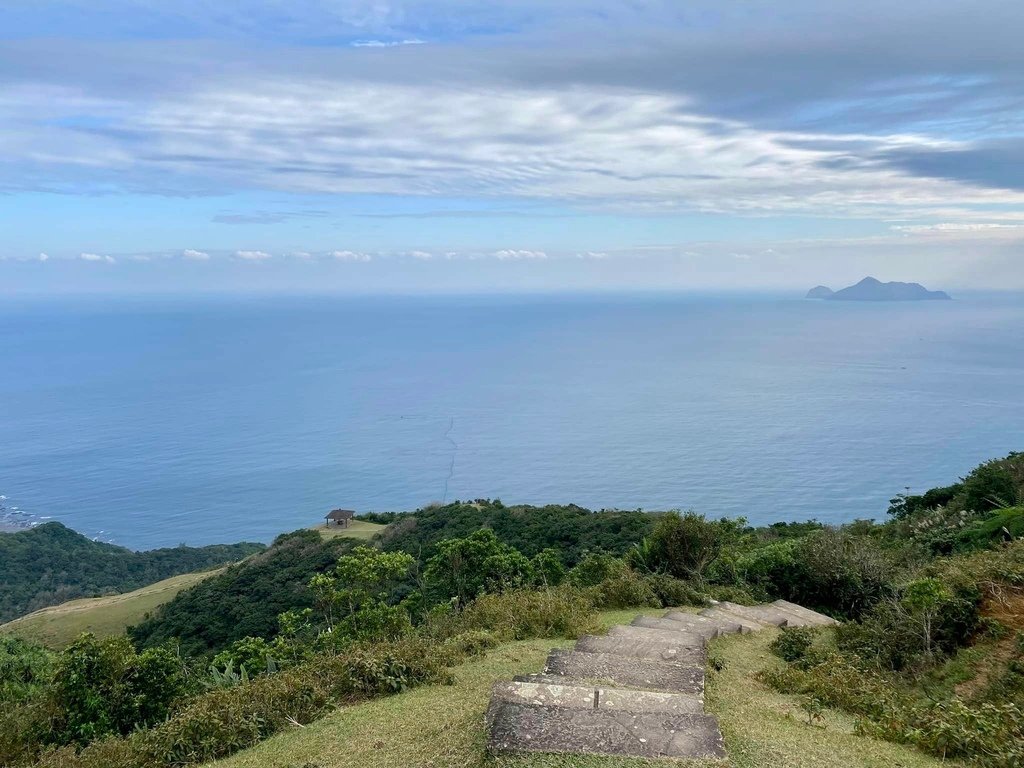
685 545
547 568
923 600
353 596
465 568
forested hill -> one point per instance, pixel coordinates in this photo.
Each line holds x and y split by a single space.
570 529
50 564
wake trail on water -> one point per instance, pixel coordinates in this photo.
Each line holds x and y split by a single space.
455 451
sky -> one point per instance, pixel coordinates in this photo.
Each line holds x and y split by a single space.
456 146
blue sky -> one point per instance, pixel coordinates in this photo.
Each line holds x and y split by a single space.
462 146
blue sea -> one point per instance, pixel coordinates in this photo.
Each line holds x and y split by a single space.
160 421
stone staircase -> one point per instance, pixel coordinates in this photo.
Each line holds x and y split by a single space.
637 691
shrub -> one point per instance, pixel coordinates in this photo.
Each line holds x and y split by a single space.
673 592
732 594
685 545
984 734
793 643
23 668
623 590
522 614
594 568
103 686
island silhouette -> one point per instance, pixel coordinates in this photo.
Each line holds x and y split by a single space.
871 289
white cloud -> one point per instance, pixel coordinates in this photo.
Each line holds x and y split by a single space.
95 257
599 146
592 255
193 255
386 43
957 228
252 255
301 255
421 255
350 256
43 257
510 254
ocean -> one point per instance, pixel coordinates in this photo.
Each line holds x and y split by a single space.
198 420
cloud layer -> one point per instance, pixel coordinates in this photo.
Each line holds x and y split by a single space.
904 121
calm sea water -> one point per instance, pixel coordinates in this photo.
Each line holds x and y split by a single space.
206 420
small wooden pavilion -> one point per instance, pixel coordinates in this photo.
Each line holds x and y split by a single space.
340 517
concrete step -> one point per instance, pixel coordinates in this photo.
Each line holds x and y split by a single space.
706 630
761 613
747 625
620 671
812 617
726 625
569 696
689 639
517 727
652 650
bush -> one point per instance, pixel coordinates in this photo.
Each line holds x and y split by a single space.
623 590
984 734
24 668
672 593
685 545
793 643
102 687
925 617
522 614
594 568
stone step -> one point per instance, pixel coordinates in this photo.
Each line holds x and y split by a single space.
523 728
626 672
569 696
763 613
652 650
726 625
747 625
708 630
813 617
689 639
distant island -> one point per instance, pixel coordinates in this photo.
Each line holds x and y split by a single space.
870 289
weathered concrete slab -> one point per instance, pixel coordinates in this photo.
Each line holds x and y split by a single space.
690 639
707 630
762 613
569 696
812 616
652 650
747 625
522 728
626 672
727 625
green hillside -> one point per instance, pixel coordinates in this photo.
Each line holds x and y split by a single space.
444 725
329 651
51 564
58 625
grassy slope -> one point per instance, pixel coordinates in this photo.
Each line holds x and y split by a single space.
56 626
358 529
442 726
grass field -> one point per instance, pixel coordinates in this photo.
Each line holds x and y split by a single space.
357 529
56 626
443 726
